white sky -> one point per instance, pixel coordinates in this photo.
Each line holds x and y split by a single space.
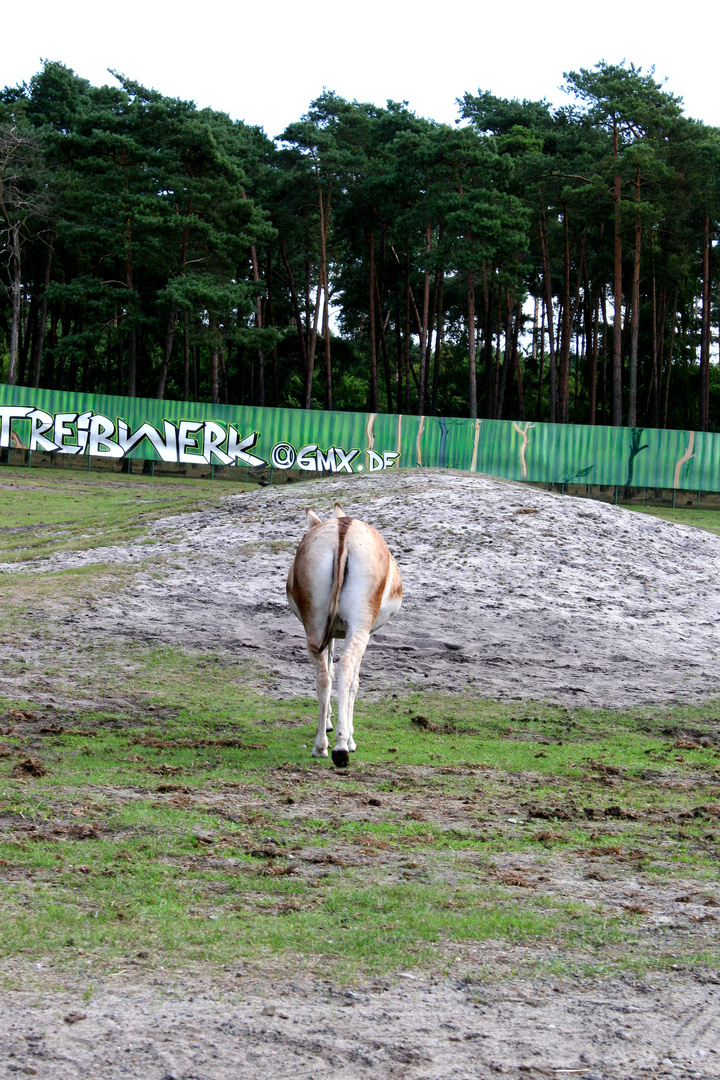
264 62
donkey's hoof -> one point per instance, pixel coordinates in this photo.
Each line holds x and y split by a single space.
341 759
319 753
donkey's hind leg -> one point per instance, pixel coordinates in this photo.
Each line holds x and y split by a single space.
349 665
331 672
324 686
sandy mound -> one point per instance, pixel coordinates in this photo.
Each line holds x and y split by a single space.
509 590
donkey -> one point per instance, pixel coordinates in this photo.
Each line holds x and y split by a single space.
343 583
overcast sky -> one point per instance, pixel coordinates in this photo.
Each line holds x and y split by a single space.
264 62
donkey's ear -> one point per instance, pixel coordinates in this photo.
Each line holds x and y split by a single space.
339 512
312 517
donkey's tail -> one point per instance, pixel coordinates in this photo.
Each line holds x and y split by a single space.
339 567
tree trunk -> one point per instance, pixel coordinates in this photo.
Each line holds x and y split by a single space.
422 380
223 371
498 353
489 406
594 361
169 337
29 340
670 356
518 369
186 357
214 380
566 334
472 373
431 323
705 331
508 356
298 318
326 336
439 339
324 218
383 347
547 287
542 360
373 394
43 318
259 358
132 362
271 320
635 324
407 331
399 358
617 295
15 298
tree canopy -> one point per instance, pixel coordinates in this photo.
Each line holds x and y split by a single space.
530 262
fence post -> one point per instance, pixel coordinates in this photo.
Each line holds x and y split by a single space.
616 494
673 498
29 459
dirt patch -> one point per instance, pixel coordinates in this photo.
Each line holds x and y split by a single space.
245 1025
509 591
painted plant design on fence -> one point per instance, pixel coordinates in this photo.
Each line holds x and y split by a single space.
635 449
523 433
687 456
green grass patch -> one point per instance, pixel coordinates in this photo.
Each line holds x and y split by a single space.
701 519
42 513
191 825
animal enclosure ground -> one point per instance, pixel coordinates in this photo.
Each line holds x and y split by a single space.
496 885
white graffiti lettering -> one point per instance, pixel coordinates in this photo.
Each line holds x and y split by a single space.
100 442
189 442
186 442
239 450
283 456
311 458
345 461
40 422
8 413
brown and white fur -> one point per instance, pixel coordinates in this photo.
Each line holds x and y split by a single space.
343 583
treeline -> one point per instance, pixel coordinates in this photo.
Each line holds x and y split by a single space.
533 262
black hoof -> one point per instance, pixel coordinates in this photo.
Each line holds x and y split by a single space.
341 759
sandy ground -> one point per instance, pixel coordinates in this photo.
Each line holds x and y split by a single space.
190 1030
509 591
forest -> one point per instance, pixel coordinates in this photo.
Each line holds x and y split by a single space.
530 262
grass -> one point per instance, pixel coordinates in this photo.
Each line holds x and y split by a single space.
193 827
709 520
44 513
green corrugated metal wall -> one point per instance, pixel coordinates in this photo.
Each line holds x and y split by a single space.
557 453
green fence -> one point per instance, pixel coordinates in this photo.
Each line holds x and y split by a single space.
193 433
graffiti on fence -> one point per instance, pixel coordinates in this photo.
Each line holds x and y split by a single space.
315 441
